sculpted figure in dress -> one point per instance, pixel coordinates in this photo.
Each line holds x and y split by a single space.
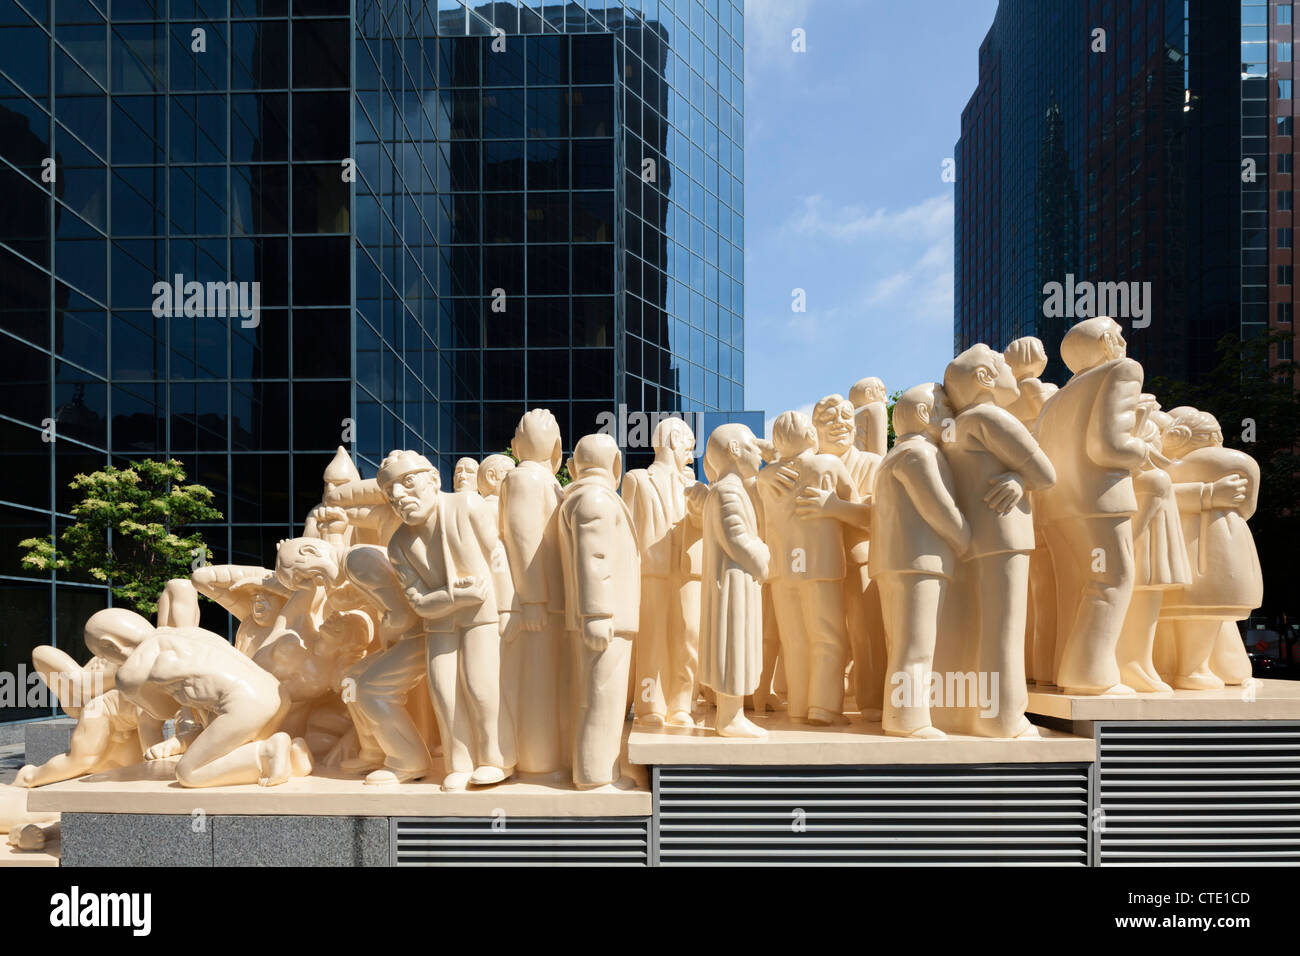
735 564
1217 489
1159 555
465 476
530 493
491 472
1028 358
602 577
808 568
236 737
1088 430
918 534
442 556
995 462
871 415
667 646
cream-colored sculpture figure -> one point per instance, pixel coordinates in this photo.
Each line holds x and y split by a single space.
353 510
667 646
871 415
602 578
442 555
110 730
530 494
807 569
735 566
251 594
1028 359
833 418
1087 429
995 461
1159 556
917 535
240 706
465 476
1217 490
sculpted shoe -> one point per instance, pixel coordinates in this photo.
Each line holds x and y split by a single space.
650 721
385 777
455 781
487 775
681 719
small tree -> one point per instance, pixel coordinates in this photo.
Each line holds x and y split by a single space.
128 531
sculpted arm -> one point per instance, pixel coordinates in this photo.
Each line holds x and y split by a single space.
738 541
927 484
1110 441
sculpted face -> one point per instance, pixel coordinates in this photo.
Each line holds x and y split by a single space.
1114 344
1005 389
264 608
835 424
414 496
749 456
465 477
304 562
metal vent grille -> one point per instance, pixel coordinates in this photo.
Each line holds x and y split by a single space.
465 841
876 815
1225 793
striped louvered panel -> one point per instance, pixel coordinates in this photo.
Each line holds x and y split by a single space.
874 815
465 841
1198 792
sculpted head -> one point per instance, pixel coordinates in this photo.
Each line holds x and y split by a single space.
411 484
1191 429
793 433
867 391
922 409
979 375
341 469
537 438
1092 342
732 448
674 443
491 472
465 475
267 595
115 632
1027 357
597 458
301 563
833 418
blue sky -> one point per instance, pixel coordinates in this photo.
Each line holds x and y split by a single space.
844 148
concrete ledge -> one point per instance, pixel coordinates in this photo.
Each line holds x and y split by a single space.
9 856
1273 700
135 839
152 789
47 738
860 743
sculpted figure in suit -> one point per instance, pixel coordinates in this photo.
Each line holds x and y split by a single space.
870 412
352 510
1028 358
917 535
995 461
530 494
667 647
602 578
1088 430
808 565
735 566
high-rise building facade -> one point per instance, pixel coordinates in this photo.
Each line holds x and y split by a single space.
444 212
1102 150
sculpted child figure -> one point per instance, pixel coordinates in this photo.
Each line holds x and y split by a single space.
995 461
1087 429
667 647
808 567
871 415
917 535
530 493
1217 489
602 576
238 706
735 566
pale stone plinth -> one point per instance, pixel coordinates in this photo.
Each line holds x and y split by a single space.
152 789
1273 700
9 856
790 744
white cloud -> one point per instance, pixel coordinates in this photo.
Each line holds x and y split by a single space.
768 26
929 219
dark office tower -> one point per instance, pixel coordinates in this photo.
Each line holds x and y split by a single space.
1110 142
453 211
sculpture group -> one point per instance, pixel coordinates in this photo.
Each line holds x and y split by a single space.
1014 533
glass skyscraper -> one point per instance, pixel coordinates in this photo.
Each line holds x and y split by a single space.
452 211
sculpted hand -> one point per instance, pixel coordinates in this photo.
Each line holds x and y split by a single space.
597 632
164 749
1228 492
786 476
1006 492
469 589
535 617
812 502
764 564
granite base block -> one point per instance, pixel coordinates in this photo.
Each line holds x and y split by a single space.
47 738
299 841
136 839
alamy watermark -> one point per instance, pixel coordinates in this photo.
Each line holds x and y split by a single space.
1087 300
636 429
951 689
208 300
29 688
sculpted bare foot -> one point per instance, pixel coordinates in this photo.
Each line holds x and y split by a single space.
26 776
741 726
274 760
299 758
